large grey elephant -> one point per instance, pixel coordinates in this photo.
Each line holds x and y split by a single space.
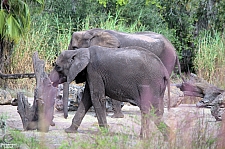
127 75
154 42
151 41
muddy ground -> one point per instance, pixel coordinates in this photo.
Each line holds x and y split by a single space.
183 119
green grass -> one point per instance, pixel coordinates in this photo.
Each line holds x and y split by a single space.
210 58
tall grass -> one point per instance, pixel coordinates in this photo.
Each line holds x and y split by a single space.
210 58
48 40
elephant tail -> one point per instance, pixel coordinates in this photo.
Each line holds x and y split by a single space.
179 68
168 89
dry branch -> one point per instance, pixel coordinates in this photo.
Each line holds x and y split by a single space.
16 76
198 87
211 95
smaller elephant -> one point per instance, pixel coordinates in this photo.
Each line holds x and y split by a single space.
127 75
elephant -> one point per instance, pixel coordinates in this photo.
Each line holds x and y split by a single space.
154 42
125 74
151 41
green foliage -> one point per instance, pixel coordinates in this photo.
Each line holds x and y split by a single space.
133 12
2 21
188 18
14 20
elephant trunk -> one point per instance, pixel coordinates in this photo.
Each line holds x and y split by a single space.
65 99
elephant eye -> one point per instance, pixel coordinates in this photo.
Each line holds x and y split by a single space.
58 68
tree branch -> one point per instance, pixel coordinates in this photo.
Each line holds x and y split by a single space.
16 76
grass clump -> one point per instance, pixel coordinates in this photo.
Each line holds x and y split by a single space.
209 58
30 142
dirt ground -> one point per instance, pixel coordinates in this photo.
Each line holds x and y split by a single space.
182 118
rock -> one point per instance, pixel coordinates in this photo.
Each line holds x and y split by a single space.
75 95
217 108
5 97
176 96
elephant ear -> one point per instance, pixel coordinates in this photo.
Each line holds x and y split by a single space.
79 59
102 38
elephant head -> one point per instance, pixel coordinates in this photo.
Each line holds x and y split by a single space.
85 39
69 65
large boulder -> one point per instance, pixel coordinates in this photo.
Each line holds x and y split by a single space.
5 97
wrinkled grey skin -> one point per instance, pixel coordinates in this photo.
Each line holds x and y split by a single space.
151 41
127 75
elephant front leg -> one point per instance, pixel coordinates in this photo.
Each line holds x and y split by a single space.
100 110
97 91
83 107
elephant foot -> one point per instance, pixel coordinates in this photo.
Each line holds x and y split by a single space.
52 123
71 129
117 115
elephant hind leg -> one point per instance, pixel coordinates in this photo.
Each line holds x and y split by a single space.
152 109
149 121
116 105
146 107
161 125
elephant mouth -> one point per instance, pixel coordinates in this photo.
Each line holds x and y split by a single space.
60 81
57 78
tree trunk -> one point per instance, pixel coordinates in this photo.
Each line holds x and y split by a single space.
40 115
